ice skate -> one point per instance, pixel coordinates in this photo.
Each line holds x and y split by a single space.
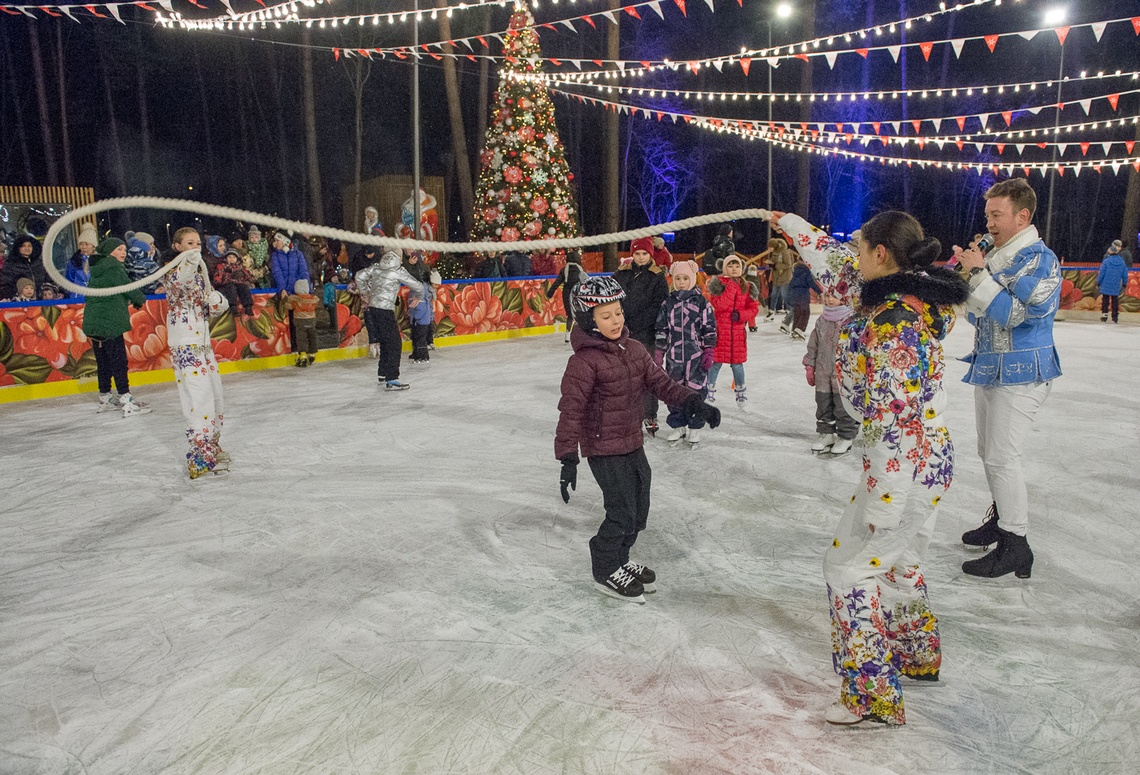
131 407
223 456
841 447
985 536
643 574
675 435
740 396
841 716
712 395
823 443
785 329
693 437
798 335
651 427
107 402
622 585
312 358
395 384
1012 555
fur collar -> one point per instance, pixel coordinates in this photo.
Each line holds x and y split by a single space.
936 286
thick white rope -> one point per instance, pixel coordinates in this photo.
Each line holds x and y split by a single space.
183 205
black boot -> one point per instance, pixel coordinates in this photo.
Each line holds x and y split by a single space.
1012 555
985 536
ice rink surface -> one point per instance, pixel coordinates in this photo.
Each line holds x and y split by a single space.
390 583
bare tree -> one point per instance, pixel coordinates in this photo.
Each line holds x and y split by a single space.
16 91
315 195
458 133
612 141
61 87
41 98
112 122
361 70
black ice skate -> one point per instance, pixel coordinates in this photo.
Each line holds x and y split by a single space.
985 536
646 576
622 585
1012 555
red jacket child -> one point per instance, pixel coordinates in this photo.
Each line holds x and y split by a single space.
735 307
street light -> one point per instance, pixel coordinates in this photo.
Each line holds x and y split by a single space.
783 11
1054 17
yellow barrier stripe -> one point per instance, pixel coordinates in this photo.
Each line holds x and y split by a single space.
71 387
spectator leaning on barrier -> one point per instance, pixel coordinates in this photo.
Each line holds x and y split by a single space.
23 261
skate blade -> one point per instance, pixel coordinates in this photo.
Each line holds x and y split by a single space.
650 588
979 549
640 599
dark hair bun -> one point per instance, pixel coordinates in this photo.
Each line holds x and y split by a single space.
925 252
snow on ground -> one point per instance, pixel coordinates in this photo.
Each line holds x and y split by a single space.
389 583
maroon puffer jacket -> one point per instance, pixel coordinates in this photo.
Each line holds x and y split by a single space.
601 408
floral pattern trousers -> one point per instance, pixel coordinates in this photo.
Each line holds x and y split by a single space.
200 390
882 627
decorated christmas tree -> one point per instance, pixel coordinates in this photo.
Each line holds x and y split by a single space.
524 181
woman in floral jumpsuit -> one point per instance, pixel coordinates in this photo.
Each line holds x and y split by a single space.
890 366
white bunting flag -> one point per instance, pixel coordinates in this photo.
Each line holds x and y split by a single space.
656 6
620 64
1098 29
830 57
66 9
710 5
719 65
114 9
985 117
895 51
1061 148
1034 111
1029 34
1020 149
773 62
576 62
957 45
1085 105
610 15
979 146
568 23
1105 147
895 125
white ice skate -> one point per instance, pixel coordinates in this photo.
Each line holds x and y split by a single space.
841 447
823 443
693 437
131 407
675 435
841 716
107 402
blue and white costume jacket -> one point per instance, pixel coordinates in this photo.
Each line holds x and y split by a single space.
1012 305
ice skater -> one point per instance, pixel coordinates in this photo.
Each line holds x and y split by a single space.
303 305
572 274
686 335
735 307
890 370
191 301
379 284
645 289
836 428
600 413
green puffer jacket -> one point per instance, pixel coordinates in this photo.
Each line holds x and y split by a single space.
108 316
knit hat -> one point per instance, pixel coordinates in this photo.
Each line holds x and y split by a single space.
686 269
642 243
89 235
107 246
253 230
732 259
1117 244
590 293
142 236
23 283
301 286
231 252
130 235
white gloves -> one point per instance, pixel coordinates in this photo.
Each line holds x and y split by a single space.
217 303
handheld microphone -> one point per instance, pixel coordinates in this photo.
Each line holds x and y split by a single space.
985 244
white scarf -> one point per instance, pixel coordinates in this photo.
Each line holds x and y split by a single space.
1002 258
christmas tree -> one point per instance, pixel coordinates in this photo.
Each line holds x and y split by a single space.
524 181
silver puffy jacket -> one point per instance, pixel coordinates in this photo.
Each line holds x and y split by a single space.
379 284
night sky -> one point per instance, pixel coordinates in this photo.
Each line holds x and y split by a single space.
223 112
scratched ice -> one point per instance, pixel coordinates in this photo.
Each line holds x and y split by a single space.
390 583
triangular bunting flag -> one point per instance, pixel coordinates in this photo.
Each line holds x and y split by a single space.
894 126
1104 147
1026 170
1085 148
926 49
1061 148
1000 148
1113 99
632 11
773 62
863 52
610 15
1085 104
957 44
695 67
984 118
1062 33
921 142
620 64
1020 149
568 23
961 123
656 6
589 21
1128 145
894 52
1136 24
1034 111
659 115
718 64
1029 34
802 56
745 63
577 63
875 125
917 126
830 57
1008 116
710 5
646 64
336 54
979 146
91 8
991 41
67 10
961 144
482 40
1060 170
681 5
1098 29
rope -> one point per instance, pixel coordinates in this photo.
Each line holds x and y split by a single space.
232 213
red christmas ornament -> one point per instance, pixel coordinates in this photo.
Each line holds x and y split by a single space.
532 229
512 174
538 205
490 214
510 234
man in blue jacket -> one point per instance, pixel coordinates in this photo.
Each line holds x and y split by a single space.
1014 295
1111 281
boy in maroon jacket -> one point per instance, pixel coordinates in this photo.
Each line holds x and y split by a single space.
601 412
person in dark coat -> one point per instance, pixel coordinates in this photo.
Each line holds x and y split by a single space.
572 274
23 261
1111 280
645 291
798 297
599 413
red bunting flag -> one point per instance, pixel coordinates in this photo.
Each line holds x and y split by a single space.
926 49
482 40
1062 33
695 67
681 5
548 25
745 63
660 115
1128 144
590 22
1008 116
921 142
1085 149
555 62
47 9
960 144
688 118
1136 24
991 41
875 125
814 134
863 52
917 126
1026 170
1113 99
849 137
9 11
632 11
1042 145
1001 148
91 8
802 56
471 57
1060 170
597 62
961 123
336 54
646 64
1136 165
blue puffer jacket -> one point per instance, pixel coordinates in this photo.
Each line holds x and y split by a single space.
1012 305
422 313
140 264
288 268
801 286
1112 278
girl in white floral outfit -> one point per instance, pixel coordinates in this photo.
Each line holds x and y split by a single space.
890 365
190 302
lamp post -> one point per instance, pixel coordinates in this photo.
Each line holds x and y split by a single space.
416 124
1053 18
783 11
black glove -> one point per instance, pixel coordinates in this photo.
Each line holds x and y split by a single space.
735 316
569 477
699 410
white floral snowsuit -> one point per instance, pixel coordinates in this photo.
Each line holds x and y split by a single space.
890 366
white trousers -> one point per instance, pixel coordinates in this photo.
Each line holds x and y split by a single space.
200 389
1005 413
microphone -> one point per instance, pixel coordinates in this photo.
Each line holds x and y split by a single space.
985 244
